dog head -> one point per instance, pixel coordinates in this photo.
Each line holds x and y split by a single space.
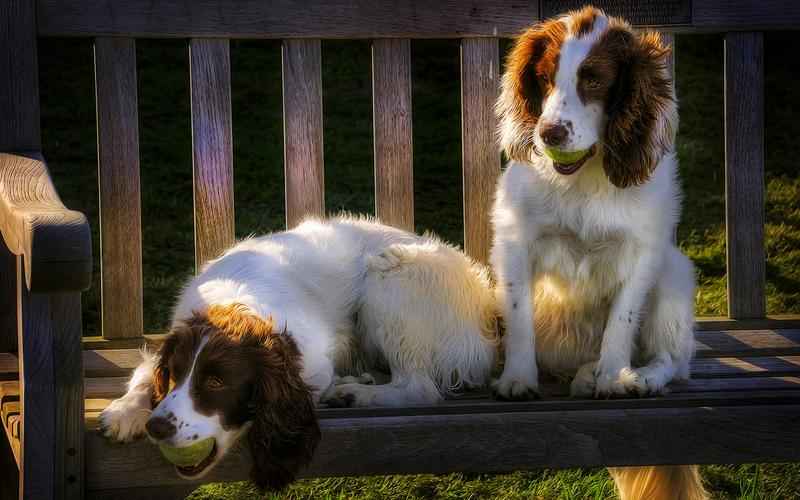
225 374
587 83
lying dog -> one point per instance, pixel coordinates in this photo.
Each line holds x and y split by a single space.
590 283
281 322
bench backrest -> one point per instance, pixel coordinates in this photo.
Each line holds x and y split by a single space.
209 24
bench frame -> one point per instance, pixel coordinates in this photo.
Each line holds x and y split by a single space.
46 260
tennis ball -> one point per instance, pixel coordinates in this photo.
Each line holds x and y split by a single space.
565 157
188 456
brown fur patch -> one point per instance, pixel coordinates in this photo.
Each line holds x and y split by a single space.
635 99
583 21
529 75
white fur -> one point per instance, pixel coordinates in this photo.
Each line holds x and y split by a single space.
354 295
589 279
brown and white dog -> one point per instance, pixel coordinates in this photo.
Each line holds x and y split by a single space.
282 322
589 282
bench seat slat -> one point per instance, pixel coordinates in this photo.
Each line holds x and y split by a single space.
480 84
391 105
302 130
212 147
120 190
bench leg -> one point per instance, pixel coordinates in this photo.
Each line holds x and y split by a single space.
51 393
9 473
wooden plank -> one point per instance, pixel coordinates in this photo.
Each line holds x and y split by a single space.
9 470
120 190
499 442
19 77
8 301
212 147
68 371
777 366
285 18
480 156
638 12
391 118
771 322
37 393
748 343
751 15
302 130
744 174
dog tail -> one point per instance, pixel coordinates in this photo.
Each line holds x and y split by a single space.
670 482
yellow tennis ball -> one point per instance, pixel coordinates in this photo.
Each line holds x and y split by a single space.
188 456
565 157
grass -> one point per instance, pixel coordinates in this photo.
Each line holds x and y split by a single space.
68 123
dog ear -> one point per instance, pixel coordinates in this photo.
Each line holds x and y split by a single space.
641 109
284 431
528 77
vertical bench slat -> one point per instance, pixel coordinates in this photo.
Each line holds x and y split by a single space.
744 173
480 62
391 111
302 130
8 299
19 78
212 147
120 196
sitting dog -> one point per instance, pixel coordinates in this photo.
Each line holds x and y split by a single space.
282 322
589 280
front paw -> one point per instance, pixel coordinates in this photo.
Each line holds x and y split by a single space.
349 395
516 385
623 382
124 420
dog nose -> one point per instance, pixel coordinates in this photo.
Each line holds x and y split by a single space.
160 428
553 134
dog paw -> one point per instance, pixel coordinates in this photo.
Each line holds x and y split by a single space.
365 378
516 386
655 383
124 420
584 384
624 382
349 395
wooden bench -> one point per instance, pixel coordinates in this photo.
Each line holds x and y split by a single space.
742 405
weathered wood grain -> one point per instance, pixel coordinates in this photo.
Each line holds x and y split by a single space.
68 372
391 118
37 393
480 156
302 130
120 188
19 77
8 299
770 322
751 15
637 12
285 18
212 147
55 242
499 442
748 343
744 174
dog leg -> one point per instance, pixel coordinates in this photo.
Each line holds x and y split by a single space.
615 376
402 391
124 419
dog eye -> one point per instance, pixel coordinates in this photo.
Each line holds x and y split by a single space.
593 83
214 383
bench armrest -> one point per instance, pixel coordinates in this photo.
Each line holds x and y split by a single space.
55 242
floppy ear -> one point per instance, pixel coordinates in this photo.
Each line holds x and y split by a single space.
161 373
530 67
641 111
284 432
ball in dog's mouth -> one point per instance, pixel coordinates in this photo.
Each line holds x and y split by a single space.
192 460
568 162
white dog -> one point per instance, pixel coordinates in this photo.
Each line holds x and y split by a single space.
590 283
280 322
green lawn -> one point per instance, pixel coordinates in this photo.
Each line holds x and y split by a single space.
69 144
